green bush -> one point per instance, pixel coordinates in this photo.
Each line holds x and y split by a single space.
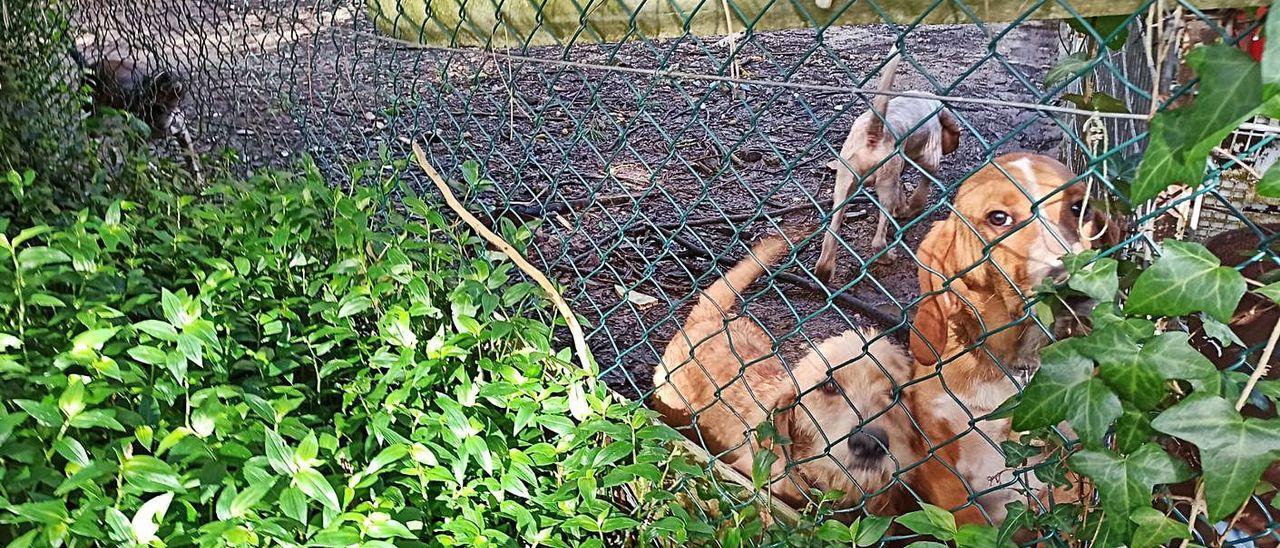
280 361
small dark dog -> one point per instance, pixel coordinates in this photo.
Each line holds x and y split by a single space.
154 97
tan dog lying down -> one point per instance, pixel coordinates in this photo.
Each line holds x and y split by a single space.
870 154
836 406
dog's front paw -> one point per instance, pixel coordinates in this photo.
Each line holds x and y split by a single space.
823 271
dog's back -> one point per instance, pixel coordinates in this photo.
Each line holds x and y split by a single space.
717 367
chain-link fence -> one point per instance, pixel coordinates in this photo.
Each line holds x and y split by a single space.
653 145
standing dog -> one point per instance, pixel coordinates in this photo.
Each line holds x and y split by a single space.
721 378
1013 222
874 155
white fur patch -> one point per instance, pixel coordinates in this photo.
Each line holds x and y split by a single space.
1027 179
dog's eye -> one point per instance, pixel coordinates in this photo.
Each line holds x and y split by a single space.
999 219
1077 208
828 387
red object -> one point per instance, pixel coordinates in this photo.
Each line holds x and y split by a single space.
1254 42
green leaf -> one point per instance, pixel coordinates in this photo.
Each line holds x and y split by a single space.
1155 529
1269 186
1240 449
279 455
45 414
1219 331
149 355
157 329
1065 389
1113 27
146 522
245 500
1270 291
71 450
1098 280
1017 517
294 504
1231 92
313 485
871 529
32 258
49 512
93 339
761 466
1069 67
979 536
931 521
1270 68
1134 376
1186 278
72 400
306 452
1133 430
151 474
355 305
1176 359
1125 483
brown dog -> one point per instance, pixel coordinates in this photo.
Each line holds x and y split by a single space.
978 267
871 154
721 376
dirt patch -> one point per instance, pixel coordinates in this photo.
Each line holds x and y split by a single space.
647 163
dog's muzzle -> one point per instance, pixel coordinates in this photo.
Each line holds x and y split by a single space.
870 444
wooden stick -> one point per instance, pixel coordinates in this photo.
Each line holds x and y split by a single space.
570 320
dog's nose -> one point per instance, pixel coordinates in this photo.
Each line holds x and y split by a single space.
870 443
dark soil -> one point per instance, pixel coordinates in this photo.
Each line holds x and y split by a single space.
635 157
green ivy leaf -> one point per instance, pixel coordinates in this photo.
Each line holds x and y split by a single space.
1231 92
1134 376
931 521
1069 67
1270 291
1240 449
1125 482
1186 278
1155 528
1133 430
1017 517
1108 26
1269 186
1098 280
1065 389
1271 52
1176 359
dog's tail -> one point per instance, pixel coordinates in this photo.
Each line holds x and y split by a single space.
705 320
723 295
880 104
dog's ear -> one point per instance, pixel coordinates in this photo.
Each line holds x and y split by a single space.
930 326
1105 231
950 131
